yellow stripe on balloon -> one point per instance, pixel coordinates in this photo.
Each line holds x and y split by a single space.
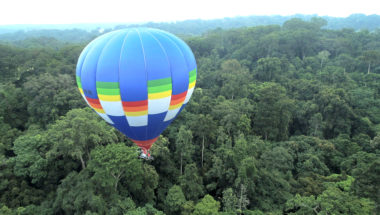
81 91
159 95
191 85
138 113
108 98
172 107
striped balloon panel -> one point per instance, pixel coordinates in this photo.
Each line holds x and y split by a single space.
138 80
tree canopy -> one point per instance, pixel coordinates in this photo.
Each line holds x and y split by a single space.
284 119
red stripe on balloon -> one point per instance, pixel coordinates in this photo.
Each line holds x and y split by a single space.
135 104
94 103
179 96
177 99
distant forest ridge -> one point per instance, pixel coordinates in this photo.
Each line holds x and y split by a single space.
185 28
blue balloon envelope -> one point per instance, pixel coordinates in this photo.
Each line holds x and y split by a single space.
137 80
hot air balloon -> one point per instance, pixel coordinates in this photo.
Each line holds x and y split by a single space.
138 80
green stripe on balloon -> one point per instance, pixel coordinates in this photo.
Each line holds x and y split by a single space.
159 82
159 89
192 79
193 73
79 83
107 85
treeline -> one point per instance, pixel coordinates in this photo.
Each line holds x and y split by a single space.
16 34
198 27
47 38
283 120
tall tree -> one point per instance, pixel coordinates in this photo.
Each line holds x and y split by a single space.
76 195
234 79
371 57
268 69
367 183
114 162
243 200
207 206
174 200
230 201
76 134
184 147
204 127
191 183
336 111
273 112
51 97
30 160
323 56
13 106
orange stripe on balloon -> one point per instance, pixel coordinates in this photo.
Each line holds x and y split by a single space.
95 103
176 102
97 106
178 99
135 109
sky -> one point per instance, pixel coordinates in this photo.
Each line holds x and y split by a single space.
137 11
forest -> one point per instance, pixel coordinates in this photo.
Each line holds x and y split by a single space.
196 27
284 119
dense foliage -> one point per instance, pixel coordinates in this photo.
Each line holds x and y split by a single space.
284 120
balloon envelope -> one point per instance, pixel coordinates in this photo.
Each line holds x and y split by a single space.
137 80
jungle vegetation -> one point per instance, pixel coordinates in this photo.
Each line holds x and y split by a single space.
285 119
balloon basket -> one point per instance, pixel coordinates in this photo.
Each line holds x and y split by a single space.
145 155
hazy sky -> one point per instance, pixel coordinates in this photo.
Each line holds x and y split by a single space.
90 11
